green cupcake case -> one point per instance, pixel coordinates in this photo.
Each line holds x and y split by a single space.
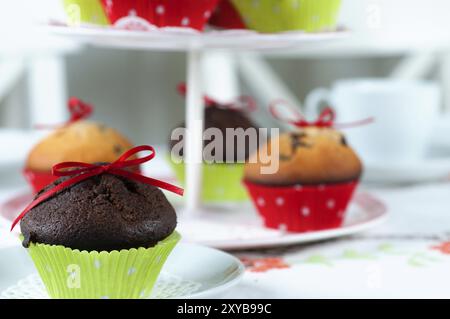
85 11
73 274
222 183
270 16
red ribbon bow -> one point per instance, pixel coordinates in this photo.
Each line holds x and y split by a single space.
244 102
82 171
326 118
78 109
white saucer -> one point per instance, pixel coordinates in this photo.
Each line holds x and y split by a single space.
240 228
434 167
190 272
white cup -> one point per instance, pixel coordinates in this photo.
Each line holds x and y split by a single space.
404 113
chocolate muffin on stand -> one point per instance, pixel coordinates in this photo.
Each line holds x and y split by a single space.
222 173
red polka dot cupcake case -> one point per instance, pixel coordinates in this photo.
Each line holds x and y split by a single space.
300 208
147 14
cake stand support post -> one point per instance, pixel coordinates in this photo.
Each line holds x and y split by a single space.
193 149
47 89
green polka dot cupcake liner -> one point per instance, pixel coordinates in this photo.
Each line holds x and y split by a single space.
270 16
87 12
222 183
125 274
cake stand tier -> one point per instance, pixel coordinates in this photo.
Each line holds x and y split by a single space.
183 39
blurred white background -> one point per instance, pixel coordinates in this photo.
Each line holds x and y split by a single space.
134 91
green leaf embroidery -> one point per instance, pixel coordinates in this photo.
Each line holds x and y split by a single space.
353 254
422 259
389 249
319 260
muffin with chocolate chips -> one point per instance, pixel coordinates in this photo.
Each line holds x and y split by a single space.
81 141
309 157
315 180
222 174
104 237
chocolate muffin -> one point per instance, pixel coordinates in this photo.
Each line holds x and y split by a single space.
308 156
223 118
103 213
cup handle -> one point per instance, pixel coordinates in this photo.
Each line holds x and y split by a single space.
314 99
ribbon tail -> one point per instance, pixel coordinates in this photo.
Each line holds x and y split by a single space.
50 193
366 121
148 180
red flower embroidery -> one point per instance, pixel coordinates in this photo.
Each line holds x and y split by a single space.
443 248
264 264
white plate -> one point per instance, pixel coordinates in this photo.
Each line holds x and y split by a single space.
182 39
190 272
240 228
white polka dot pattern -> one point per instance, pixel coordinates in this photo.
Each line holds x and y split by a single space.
331 203
261 202
306 211
160 9
289 15
280 201
168 13
185 21
302 209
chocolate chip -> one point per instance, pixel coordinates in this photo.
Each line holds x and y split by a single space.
344 141
118 150
102 128
297 140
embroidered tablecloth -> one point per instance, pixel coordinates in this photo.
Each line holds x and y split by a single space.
407 257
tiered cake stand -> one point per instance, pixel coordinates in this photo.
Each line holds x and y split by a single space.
242 230
195 44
